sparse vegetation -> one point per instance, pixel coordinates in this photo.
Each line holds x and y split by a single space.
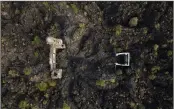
42 86
141 106
82 25
27 71
118 50
66 106
170 41
52 83
152 76
103 83
100 83
93 33
169 53
46 4
167 73
157 26
75 9
133 22
46 95
118 30
24 104
36 40
36 54
112 80
13 73
119 72
3 81
145 30
133 105
155 69
34 107
45 102
155 47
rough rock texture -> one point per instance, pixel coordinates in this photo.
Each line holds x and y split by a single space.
93 32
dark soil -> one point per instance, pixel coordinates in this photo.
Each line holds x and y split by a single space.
93 32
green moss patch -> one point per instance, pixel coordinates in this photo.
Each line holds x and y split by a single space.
24 105
42 86
133 22
52 83
169 53
75 9
13 73
36 54
118 30
157 26
82 25
27 71
100 83
66 106
154 69
155 47
103 83
36 40
152 77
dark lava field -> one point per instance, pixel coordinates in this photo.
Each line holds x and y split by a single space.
93 33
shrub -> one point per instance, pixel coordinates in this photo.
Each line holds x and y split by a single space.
36 40
118 30
155 47
66 106
169 53
27 71
13 73
52 83
133 22
24 105
154 69
100 83
42 86
36 54
75 9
